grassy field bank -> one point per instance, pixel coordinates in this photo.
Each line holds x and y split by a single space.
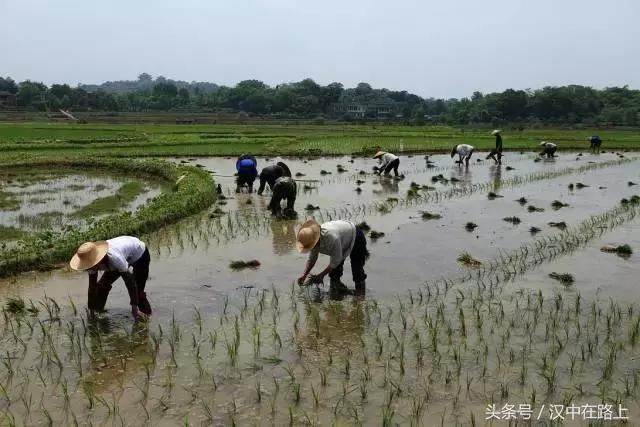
27 140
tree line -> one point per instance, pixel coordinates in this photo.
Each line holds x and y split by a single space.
571 104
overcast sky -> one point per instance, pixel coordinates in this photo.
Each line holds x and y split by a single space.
443 48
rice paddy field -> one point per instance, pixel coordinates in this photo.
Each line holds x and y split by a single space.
495 294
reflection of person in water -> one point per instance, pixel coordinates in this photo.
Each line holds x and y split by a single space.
284 236
339 324
495 173
389 185
115 353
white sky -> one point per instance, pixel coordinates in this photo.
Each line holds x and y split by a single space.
444 48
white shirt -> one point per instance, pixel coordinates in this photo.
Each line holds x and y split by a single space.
549 145
336 240
464 150
387 158
124 251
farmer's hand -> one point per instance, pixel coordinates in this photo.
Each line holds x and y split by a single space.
317 278
301 280
137 314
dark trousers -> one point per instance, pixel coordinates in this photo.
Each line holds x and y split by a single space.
283 190
496 156
245 178
99 293
549 152
392 165
358 257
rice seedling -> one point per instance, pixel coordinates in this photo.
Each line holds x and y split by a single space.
324 172
564 278
532 208
240 265
364 226
299 174
509 168
470 226
374 235
466 259
561 225
512 219
571 186
358 190
429 215
557 204
580 185
492 195
622 250
15 305
522 201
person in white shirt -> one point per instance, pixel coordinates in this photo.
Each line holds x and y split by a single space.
464 151
387 161
339 240
114 257
548 149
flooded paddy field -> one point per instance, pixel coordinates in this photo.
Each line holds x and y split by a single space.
35 201
435 339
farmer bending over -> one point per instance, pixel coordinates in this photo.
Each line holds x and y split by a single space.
284 188
548 149
387 161
464 151
596 142
496 153
270 174
246 165
114 257
338 239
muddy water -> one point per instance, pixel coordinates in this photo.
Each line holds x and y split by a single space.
190 263
357 344
47 200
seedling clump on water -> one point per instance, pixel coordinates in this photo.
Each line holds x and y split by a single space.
557 204
428 215
466 259
470 226
564 278
311 207
561 225
492 195
512 219
374 235
364 226
240 265
623 250
532 208
522 201
534 230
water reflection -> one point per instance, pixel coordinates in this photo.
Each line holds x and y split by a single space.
284 236
495 174
389 185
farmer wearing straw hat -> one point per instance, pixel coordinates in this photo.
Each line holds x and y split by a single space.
114 257
464 151
270 174
548 149
339 240
498 150
246 166
387 161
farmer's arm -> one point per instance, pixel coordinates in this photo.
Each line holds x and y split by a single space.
336 258
311 262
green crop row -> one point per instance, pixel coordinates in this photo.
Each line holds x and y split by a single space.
44 250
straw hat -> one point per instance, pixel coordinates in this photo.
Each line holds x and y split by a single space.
543 142
378 154
496 131
88 255
308 236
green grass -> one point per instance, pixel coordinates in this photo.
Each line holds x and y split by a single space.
10 233
43 139
111 204
8 201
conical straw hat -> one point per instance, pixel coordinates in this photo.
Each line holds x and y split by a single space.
88 255
308 236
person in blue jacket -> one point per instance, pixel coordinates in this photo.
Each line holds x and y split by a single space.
247 168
